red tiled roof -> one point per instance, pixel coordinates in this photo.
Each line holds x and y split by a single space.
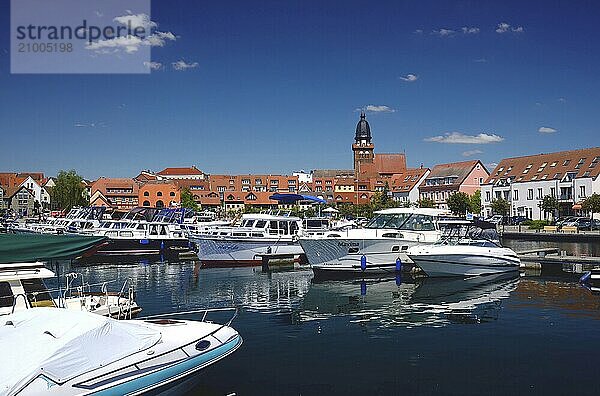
548 166
105 182
390 163
407 180
180 171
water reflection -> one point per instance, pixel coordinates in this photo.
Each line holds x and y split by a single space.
386 302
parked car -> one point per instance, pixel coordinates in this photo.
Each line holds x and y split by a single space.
495 219
583 224
516 220
562 220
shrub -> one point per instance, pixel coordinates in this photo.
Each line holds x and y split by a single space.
536 224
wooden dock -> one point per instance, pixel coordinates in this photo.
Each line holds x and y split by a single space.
536 258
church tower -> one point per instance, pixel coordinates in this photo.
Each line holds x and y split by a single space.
363 147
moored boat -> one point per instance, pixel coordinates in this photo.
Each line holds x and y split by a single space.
377 247
471 249
61 352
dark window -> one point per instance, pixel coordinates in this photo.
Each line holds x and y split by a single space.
146 203
37 293
159 194
6 295
160 204
172 194
146 194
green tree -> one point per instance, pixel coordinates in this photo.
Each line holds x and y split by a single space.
459 203
187 200
592 203
475 203
500 206
549 204
69 190
426 203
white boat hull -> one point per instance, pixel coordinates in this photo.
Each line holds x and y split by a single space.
345 255
472 262
221 251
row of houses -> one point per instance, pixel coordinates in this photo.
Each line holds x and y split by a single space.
25 193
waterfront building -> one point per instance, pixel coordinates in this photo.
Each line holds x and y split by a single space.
405 186
20 200
447 179
3 204
570 176
34 181
159 194
191 173
117 193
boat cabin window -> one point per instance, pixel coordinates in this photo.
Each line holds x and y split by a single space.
248 223
37 293
141 227
418 222
294 228
260 224
403 221
6 295
153 230
163 230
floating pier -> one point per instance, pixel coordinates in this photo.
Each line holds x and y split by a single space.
535 258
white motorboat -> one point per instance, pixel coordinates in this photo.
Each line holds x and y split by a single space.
49 351
377 247
77 220
22 287
469 249
257 234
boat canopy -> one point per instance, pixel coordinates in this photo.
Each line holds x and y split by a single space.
62 344
293 198
26 248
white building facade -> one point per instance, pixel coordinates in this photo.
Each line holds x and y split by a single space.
569 176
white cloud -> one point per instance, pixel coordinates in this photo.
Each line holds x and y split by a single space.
480 60
100 124
136 21
409 77
129 44
378 109
546 130
460 138
562 100
443 32
470 153
470 30
153 65
418 31
504 27
182 65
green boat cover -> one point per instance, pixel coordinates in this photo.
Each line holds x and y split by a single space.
26 248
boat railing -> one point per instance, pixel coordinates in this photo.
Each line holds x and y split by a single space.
204 312
16 298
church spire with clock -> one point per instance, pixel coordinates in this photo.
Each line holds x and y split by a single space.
363 148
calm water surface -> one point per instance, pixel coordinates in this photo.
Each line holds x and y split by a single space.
499 336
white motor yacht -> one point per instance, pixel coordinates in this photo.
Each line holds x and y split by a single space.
48 351
256 234
22 287
375 248
468 249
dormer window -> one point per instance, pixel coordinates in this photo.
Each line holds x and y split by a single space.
527 168
581 162
567 162
552 165
595 162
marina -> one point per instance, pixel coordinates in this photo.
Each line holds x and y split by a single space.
378 328
299 198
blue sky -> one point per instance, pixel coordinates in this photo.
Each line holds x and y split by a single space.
274 86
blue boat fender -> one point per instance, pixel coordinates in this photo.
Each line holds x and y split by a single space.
585 277
398 265
363 262
162 245
398 279
363 288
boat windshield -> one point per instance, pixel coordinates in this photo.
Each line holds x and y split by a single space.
403 221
